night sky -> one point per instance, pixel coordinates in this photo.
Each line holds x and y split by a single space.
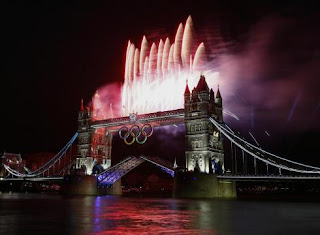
57 53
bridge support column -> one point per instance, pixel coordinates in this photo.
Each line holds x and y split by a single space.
80 185
114 190
201 185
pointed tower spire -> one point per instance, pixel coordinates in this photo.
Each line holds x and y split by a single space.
81 107
218 102
187 94
218 93
202 84
187 91
211 94
175 163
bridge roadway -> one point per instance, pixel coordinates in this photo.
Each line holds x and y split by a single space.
155 119
266 177
220 177
35 179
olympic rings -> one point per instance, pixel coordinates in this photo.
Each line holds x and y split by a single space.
120 131
126 138
135 133
145 137
151 129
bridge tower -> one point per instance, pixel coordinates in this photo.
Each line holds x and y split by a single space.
94 145
84 137
204 148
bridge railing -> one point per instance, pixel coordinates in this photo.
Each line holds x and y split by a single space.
112 174
164 165
141 117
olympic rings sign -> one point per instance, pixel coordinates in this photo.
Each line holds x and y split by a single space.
135 133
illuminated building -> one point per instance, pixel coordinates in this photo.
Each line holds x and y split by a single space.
204 148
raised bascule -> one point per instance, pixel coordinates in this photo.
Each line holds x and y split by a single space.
156 93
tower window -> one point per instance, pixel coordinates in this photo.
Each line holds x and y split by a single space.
196 144
216 134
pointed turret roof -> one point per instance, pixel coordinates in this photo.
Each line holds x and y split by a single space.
91 107
202 84
175 163
218 93
81 107
211 94
187 91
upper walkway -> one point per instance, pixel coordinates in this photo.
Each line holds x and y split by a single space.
156 119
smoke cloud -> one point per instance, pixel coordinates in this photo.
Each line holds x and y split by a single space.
270 80
275 73
107 101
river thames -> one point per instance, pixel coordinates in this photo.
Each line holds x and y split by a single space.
55 214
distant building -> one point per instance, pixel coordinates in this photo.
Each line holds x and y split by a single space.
36 160
13 160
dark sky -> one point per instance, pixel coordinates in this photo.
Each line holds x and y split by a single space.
57 53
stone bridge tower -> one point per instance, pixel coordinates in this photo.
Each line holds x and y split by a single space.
94 145
204 148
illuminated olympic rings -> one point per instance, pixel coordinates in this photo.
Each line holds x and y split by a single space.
135 133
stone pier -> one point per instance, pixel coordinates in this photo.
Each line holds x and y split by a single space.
202 185
80 185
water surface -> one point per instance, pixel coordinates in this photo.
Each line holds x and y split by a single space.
54 214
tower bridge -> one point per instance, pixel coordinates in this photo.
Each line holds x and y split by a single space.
204 147
205 134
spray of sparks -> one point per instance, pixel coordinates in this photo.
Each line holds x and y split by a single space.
155 77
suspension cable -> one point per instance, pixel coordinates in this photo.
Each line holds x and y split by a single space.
47 165
261 150
254 155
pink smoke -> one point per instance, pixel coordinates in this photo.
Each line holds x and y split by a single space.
265 73
107 101
277 64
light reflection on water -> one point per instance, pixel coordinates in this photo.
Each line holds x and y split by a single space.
54 214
